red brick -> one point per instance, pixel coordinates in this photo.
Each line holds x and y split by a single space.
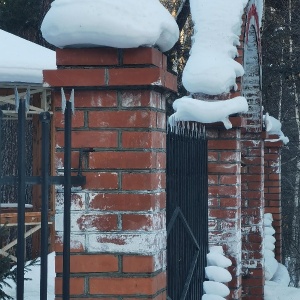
127 286
223 190
142 98
223 213
161 120
230 156
143 181
89 263
90 139
76 247
105 222
76 285
59 159
122 160
95 98
213 156
213 179
122 119
142 222
101 180
143 56
223 145
135 77
128 202
230 179
222 168
138 264
229 202
74 77
77 119
87 57
143 139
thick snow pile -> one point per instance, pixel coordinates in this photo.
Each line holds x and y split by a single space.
188 109
273 126
23 61
211 68
216 273
117 23
260 10
275 291
32 286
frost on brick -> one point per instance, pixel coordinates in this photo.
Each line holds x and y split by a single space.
118 23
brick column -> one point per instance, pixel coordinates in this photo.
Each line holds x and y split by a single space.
118 237
225 196
252 215
273 189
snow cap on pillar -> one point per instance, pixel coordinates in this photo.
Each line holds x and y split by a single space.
117 23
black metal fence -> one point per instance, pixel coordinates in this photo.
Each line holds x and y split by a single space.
21 180
187 210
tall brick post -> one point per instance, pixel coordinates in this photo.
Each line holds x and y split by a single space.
273 189
224 192
118 234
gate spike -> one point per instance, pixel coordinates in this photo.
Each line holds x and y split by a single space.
72 101
17 99
63 101
27 99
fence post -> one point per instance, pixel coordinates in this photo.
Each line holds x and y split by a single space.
118 234
45 188
21 198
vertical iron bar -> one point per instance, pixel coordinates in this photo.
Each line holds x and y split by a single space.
21 199
67 202
1 142
45 120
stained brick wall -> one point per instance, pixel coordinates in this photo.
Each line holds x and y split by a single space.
118 236
273 189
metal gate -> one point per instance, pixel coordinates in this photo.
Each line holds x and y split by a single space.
187 211
21 179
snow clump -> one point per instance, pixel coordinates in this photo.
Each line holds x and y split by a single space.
189 109
217 274
211 68
273 126
117 23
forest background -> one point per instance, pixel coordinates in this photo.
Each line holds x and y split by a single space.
280 90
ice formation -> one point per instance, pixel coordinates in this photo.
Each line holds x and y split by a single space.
189 109
211 68
22 60
117 23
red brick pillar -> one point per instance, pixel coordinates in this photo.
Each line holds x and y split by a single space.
224 165
252 215
273 190
118 236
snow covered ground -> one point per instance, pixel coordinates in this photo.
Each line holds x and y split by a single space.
32 287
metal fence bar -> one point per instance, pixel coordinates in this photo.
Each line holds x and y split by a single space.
21 198
67 202
45 188
187 210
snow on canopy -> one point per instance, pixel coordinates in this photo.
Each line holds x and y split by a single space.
22 60
211 68
188 109
117 23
